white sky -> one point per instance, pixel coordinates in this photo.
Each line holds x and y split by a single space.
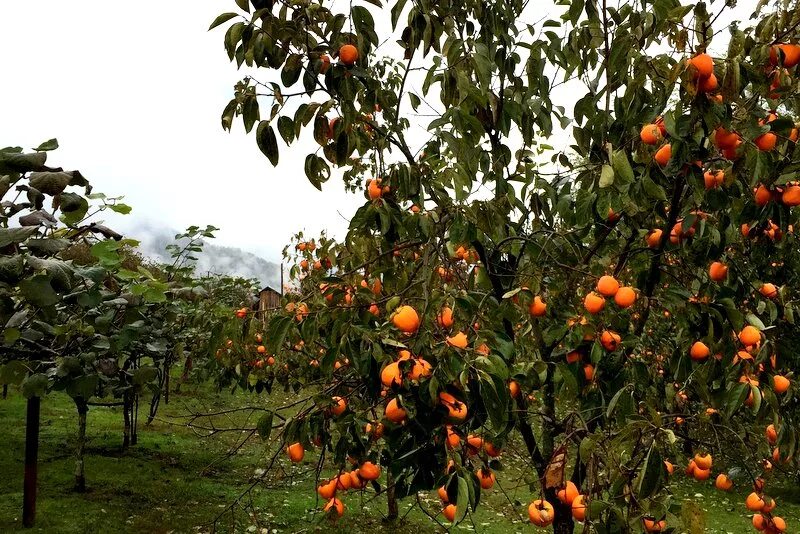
134 92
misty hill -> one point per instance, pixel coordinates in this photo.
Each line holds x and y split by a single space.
214 258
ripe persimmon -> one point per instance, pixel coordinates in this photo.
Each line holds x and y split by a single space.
766 142
459 340
718 271
568 493
713 179
449 512
336 505
394 412
406 320
541 513
610 340
391 375
723 482
780 384
594 303
788 53
421 369
708 84
607 286
650 134
348 54
327 490
663 155
653 238
296 452
579 508
339 407
703 460
703 64
485 477
369 471
754 502
772 434
538 307
651 525
445 317
768 290
791 196
762 195
750 335
699 351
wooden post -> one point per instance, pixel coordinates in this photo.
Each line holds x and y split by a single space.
31 462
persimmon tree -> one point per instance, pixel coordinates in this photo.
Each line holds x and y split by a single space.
614 304
81 312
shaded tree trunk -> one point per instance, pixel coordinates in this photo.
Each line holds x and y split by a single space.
135 420
167 367
5 391
80 474
187 368
31 462
391 498
126 415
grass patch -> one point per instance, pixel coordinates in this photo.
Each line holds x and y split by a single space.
176 481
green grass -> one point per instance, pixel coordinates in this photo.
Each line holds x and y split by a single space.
176 481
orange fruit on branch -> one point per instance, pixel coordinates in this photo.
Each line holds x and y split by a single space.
703 64
650 134
718 271
406 320
607 286
394 412
538 307
568 493
541 513
348 54
594 303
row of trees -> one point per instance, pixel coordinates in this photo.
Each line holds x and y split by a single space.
83 313
623 305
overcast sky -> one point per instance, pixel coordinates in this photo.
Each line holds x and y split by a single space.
134 91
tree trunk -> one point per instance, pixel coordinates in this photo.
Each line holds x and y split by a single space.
126 415
31 462
80 474
391 499
153 407
187 368
166 383
135 420
5 391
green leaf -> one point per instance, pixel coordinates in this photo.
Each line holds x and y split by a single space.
38 291
286 129
267 142
264 425
13 372
652 475
52 144
124 209
606 176
35 386
15 235
144 375
221 19
622 167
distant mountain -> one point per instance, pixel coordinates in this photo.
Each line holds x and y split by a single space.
214 258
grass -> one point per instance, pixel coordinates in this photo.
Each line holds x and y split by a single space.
175 481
